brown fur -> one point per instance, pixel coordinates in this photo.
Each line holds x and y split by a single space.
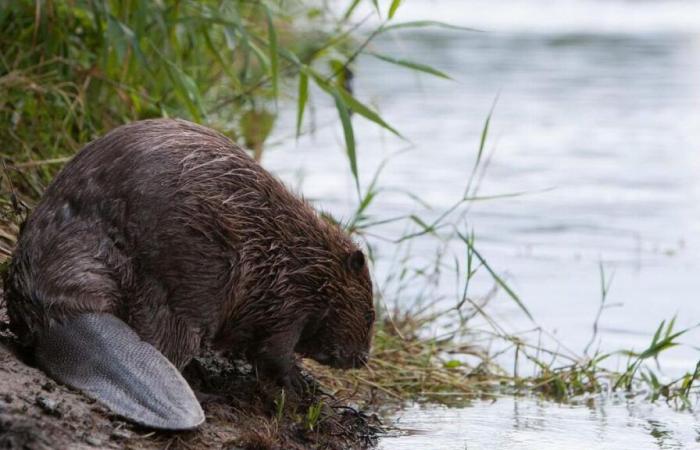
177 231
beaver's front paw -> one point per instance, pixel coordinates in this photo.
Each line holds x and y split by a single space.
300 382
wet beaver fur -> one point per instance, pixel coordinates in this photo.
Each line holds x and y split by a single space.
175 231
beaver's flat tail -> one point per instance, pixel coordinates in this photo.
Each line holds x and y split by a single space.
103 357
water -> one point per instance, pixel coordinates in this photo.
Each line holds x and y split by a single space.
511 423
597 118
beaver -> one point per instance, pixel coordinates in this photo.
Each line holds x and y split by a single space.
163 238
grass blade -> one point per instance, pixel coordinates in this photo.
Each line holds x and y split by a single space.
412 65
302 98
344 114
485 132
274 57
354 104
497 278
425 24
365 111
226 66
120 34
185 87
376 6
350 10
394 6
482 145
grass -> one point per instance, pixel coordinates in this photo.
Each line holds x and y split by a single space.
72 70
69 71
408 365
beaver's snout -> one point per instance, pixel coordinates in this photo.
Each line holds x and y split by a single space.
361 359
338 360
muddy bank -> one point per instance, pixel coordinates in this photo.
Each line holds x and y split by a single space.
37 413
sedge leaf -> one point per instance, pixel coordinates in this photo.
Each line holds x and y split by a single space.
412 65
302 99
394 6
272 44
423 24
354 104
344 114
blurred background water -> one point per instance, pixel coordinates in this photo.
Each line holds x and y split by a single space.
597 118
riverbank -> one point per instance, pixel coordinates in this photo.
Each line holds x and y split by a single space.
38 413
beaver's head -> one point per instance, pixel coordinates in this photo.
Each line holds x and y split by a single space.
340 334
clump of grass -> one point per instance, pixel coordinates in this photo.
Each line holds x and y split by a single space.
405 365
409 365
313 415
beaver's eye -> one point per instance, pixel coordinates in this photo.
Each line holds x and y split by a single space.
356 261
369 317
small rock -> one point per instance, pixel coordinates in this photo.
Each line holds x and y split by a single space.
49 406
92 440
120 434
7 398
49 386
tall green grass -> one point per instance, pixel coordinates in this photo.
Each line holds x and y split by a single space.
72 69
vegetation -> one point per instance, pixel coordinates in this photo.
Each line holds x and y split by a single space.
72 69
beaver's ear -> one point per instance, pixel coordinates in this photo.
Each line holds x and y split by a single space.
356 261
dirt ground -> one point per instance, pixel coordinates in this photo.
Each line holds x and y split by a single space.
241 413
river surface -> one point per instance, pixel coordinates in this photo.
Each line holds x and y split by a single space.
519 424
597 120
